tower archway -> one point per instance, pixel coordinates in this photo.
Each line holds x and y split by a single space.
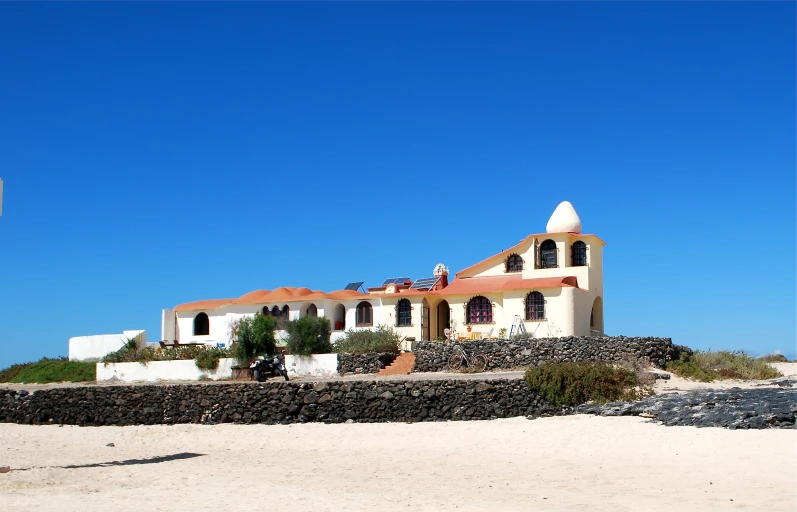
596 318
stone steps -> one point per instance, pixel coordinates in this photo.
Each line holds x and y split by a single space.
402 365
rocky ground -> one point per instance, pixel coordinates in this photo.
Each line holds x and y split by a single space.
734 408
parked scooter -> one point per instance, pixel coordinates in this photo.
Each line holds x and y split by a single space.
269 366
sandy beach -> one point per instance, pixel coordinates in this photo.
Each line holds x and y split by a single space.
561 463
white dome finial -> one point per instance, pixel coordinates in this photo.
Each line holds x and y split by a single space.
564 219
440 270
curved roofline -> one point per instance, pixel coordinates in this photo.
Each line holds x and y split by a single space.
282 294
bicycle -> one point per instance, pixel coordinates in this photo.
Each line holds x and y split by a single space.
459 358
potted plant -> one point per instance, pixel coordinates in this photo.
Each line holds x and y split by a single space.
469 327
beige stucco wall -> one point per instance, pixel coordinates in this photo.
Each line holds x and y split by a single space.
564 242
567 310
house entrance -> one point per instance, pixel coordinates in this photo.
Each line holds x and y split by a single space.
443 318
425 327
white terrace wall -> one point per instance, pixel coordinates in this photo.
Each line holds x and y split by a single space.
156 371
83 348
317 365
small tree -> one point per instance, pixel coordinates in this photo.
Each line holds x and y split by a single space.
309 335
252 337
263 334
380 340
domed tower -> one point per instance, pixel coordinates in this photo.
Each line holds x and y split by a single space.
580 256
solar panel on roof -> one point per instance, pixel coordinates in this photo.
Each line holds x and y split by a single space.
427 282
388 281
354 286
401 280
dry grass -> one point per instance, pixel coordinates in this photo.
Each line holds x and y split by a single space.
722 364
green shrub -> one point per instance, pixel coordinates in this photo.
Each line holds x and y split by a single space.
8 374
577 383
56 370
722 364
309 335
382 339
689 369
123 355
252 337
208 359
774 358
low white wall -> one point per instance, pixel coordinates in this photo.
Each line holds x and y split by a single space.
82 348
317 365
162 370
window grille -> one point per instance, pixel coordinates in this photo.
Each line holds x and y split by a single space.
480 310
579 254
535 306
404 313
548 254
514 263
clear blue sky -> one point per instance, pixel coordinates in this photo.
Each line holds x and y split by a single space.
155 154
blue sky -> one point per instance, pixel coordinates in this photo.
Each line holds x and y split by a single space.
155 154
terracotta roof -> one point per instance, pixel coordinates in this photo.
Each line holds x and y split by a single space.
203 304
529 238
349 294
283 294
541 282
287 293
255 297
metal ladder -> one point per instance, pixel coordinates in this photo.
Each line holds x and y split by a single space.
517 324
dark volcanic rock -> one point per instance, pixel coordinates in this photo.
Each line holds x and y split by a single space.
432 356
733 408
277 402
364 363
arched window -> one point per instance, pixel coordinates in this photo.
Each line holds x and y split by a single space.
579 254
548 254
282 315
404 313
312 310
276 312
364 315
480 310
266 311
514 263
201 325
535 306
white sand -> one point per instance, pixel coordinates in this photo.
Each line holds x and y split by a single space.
565 463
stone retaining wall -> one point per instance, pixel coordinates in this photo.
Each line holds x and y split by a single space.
364 363
278 402
432 356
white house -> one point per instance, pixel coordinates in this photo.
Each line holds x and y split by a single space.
551 283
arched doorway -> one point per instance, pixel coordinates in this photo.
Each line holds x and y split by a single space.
339 318
309 310
425 321
443 318
596 318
